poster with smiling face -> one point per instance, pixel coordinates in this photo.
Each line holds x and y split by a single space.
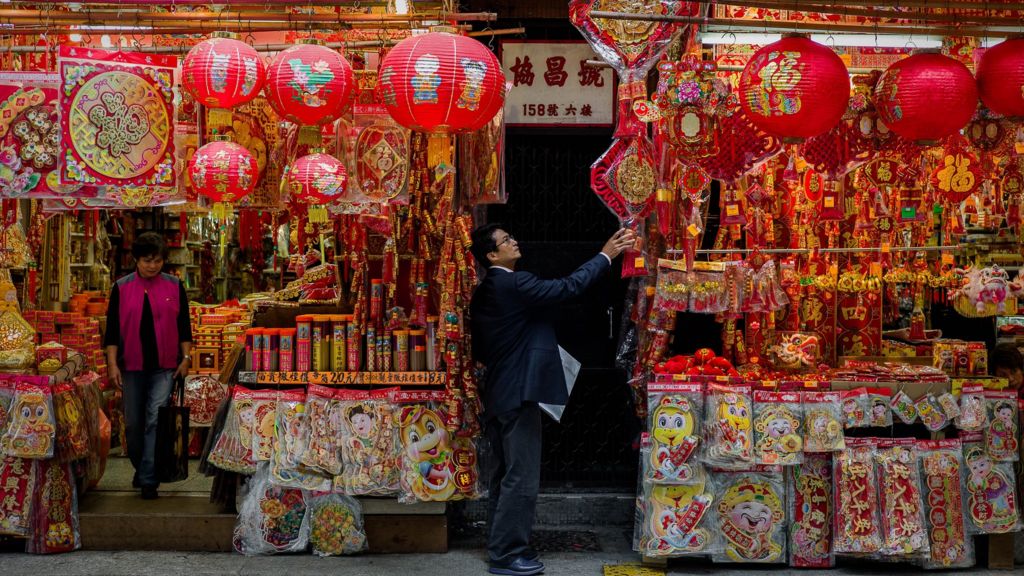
751 513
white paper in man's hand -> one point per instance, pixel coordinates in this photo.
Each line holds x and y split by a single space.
571 369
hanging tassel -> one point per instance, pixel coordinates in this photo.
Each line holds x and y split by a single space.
318 214
310 136
439 150
217 117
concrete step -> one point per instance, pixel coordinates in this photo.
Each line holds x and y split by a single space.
564 509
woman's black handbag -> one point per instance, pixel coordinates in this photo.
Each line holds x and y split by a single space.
172 437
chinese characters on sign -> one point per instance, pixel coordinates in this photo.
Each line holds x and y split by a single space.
552 84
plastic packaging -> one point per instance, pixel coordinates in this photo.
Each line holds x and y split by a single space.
436 467
903 530
931 413
335 524
858 526
323 452
973 416
991 492
823 422
30 428
777 435
727 426
1002 434
271 519
264 410
54 510
751 510
950 406
291 428
17 485
903 407
6 397
942 467
370 457
72 434
856 408
674 424
811 512
203 395
233 449
880 414
678 519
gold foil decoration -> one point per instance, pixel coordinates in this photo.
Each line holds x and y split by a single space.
17 336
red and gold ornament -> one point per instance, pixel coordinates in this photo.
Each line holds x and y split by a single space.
223 72
309 84
317 179
1001 78
223 171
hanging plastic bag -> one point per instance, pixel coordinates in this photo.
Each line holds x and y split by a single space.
54 510
335 524
6 398
727 426
942 468
17 485
1002 434
991 491
232 450
291 437
674 423
370 454
777 435
271 519
751 511
880 414
823 422
30 428
264 415
811 512
899 487
678 520
203 395
931 414
973 416
72 434
903 407
856 405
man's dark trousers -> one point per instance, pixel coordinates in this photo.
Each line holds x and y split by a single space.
515 439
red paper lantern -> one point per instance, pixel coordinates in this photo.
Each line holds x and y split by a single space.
794 88
317 179
222 72
223 171
926 97
441 83
309 84
1001 78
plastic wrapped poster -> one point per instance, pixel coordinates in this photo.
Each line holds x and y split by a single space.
30 428
335 524
856 408
728 426
72 433
777 435
436 466
942 467
232 451
931 413
1002 434
751 509
675 424
903 407
323 451
271 519
973 416
858 525
17 485
264 416
991 491
203 395
899 482
678 520
371 458
54 510
823 422
291 438
880 413
810 498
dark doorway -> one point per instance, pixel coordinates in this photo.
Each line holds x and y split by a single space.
559 224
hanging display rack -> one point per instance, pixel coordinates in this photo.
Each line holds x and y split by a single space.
867 250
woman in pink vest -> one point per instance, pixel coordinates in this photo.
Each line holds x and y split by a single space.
148 341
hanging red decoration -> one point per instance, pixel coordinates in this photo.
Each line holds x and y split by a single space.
926 97
223 171
794 88
309 84
317 179
441 83
223 72
1001 78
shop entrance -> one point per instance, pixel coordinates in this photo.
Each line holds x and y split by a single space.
560 223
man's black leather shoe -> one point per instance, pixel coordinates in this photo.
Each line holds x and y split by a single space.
518 567
531 555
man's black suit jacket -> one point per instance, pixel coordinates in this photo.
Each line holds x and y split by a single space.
513 322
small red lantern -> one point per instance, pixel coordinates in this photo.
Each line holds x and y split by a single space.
1001 78
926 97
222 72
794 88
309 84
223 171
441 83
317 179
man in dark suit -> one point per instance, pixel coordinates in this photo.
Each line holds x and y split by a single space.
514 338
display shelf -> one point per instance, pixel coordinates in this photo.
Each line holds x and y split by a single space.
346 378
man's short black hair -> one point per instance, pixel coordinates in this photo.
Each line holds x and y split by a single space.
149 244
1007 356
483 242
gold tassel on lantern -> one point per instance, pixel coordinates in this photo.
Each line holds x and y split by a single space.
318 214
439 150
310 136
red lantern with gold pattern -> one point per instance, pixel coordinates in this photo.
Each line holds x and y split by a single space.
223 72
317 179
441 83
1001 78
926 97
310 84
223 171
794 88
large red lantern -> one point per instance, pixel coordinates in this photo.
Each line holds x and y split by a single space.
309 84
1001 78
223 171
794 88
222 72
926 97
441 83
317 179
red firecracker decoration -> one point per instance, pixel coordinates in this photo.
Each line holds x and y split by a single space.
926 97
1001 78
309 84
441 83
317 179
223 72
794 88
223 171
